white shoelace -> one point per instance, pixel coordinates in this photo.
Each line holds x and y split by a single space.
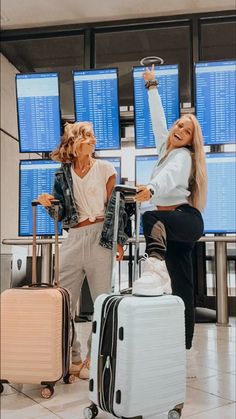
149 265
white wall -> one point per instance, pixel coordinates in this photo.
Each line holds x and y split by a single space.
10 155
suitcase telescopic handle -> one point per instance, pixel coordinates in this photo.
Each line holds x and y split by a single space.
55 203
126 189
131 190
128 192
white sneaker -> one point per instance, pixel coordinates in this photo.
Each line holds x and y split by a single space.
159 267
155 279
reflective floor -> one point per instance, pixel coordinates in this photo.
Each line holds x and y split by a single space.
210 383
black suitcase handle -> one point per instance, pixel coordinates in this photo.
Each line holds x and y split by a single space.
35 202
41 285
126 189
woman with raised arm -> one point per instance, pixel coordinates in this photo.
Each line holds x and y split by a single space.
83 186
177 190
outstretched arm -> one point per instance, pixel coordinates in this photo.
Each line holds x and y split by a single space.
158 118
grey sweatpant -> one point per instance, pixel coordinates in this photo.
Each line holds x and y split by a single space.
82 255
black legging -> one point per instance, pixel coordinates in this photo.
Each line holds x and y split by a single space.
171 235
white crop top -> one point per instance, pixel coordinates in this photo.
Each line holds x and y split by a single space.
170 177
90 191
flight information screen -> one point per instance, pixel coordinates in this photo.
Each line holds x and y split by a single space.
36 177
38 111
219 215
144 166
168 77
116 161
96 101
215 101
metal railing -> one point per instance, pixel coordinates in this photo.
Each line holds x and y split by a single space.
220 261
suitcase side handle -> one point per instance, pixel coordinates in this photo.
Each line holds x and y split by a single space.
55 203
41 285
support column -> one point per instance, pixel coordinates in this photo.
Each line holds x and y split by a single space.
222 316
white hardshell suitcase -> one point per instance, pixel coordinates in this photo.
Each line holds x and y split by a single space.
138 361
148 362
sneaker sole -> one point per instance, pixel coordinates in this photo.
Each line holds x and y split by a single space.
147 293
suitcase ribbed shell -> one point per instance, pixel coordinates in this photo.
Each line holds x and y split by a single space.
31 335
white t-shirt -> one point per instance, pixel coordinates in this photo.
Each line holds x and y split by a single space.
90 191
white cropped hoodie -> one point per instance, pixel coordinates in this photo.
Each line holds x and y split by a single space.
170 177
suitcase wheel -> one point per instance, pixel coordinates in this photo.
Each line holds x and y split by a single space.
90 412
1 388
69 379
47 392
174 414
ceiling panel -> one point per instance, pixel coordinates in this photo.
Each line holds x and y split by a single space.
27 13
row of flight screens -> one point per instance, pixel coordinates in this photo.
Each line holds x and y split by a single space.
37 176
96 100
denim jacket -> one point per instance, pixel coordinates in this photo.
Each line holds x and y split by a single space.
108 226
63 191
67 213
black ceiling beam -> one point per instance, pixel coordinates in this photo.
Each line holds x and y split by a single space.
128 24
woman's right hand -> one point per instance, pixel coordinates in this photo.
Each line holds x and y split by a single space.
149 74
45 199
120 252
143 194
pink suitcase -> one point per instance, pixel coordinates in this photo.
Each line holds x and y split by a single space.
37 329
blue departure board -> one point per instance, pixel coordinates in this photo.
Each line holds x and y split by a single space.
38 111
116 161
36 177
215 101
96 101
220 212
168 77
144 166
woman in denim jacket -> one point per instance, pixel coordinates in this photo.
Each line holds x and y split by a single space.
83 186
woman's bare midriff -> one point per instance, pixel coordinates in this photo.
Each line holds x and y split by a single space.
167 207
87 222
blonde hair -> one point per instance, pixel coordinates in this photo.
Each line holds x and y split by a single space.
198 178
67 151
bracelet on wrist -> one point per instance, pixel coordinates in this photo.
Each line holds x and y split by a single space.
151 190
150 83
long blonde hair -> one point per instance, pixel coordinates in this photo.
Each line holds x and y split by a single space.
198 178
67 151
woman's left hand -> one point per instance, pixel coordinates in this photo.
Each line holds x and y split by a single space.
120 251
143 194
148 74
